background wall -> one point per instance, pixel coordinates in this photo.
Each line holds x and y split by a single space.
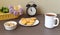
44 6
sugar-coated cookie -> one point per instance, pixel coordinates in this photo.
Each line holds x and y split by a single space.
29 24
23 21
33 18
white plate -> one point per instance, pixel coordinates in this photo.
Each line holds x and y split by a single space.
35 23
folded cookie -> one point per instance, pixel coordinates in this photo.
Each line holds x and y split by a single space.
29 24
33 18
23 21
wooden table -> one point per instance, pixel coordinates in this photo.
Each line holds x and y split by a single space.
36 30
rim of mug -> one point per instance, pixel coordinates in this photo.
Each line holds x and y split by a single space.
51 13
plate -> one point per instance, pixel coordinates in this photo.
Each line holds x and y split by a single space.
35 23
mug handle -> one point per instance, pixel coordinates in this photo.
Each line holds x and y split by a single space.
57 22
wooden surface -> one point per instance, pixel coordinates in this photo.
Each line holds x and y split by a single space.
35 30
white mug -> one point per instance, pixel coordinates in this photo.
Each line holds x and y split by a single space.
50 20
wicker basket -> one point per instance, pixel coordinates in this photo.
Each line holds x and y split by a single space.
6 16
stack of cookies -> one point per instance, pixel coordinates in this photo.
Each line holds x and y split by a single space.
28 21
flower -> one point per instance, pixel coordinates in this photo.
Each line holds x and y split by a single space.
16 10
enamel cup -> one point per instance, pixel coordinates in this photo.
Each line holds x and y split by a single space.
51 20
